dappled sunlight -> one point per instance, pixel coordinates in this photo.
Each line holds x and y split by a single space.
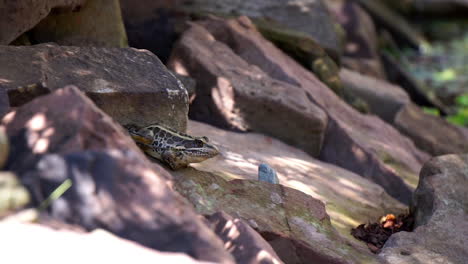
264 257
9 117
339 189
38 136
5 81
82 72
179 67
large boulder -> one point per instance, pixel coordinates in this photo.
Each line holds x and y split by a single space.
111 183
233 94
27 243
363 144
97 23
17 17
441 218
130 85
295 224
349 198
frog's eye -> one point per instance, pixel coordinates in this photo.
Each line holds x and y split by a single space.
205 139
199 143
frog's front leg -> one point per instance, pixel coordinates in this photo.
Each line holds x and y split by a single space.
174 158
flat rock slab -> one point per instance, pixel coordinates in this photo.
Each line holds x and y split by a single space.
130 85
235 95
114 186
295 224
384 99
441 218
27 243
362 144
17 17
350 199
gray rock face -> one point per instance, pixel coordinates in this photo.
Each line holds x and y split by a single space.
242 241
233 94
114 186
441 218
16 17
362 144
308 16
132 86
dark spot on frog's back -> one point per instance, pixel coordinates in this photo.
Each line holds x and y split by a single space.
156 130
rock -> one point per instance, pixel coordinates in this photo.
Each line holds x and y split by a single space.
114 186
244 243
432 8
267 174
441 218
384 99
4 147
189 84
431 133
13 195
97 23
395 23
132 86
361 52
17 17
310 17
349 198
282 215
234 94
4 102
362 144
29 243
302 48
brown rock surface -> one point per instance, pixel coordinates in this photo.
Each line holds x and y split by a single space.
244 243
441 218
233 94
363 144
350 199
295 224
28 243
114 186
132 86
431 133
17 17
97 23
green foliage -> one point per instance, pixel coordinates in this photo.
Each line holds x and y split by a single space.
431 111
461 116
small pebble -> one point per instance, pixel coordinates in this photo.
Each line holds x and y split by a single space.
267 174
